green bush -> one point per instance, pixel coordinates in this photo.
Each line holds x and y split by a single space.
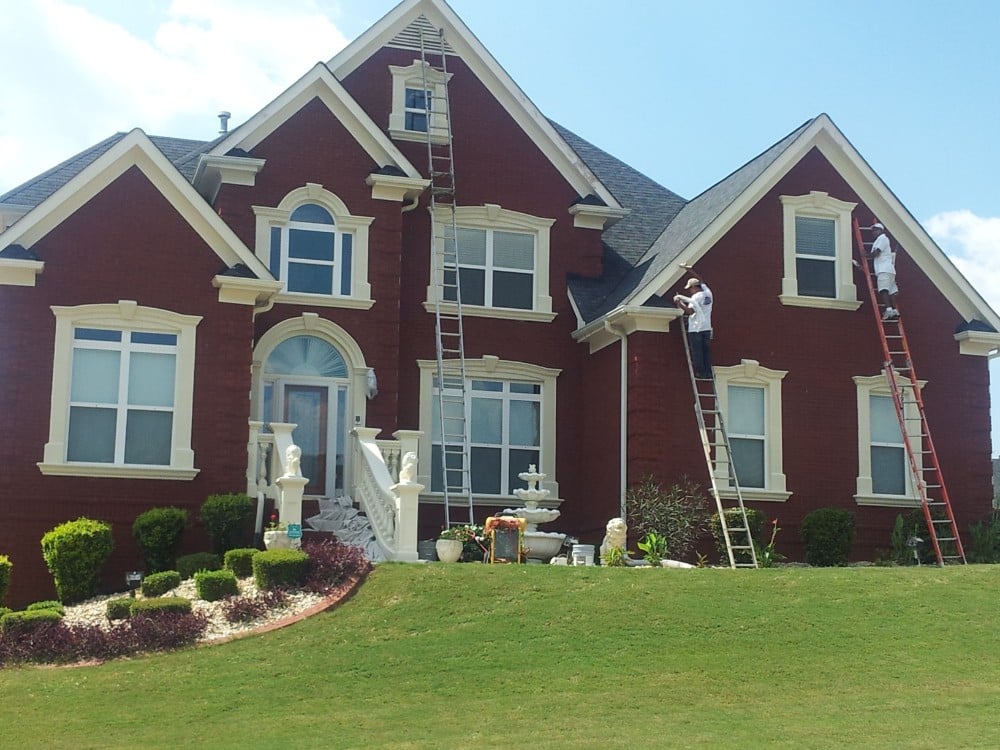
213 585
226 519
984 540
188 565
120 608
5 610
679 513
158 533
74 553
280 568
828 534
755 522
20 622
49 604
240 561
6 566
157 584
177 605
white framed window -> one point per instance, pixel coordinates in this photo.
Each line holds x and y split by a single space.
510 414
884 475
503 260
312 244
122 393
415 93
817 252
750 400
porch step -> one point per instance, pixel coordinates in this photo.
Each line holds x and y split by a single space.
339 517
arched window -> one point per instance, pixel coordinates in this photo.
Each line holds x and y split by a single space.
306 355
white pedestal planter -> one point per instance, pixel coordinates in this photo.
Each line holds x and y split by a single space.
277 540
448 550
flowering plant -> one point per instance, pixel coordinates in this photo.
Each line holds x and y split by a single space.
458 533
767 556
274 525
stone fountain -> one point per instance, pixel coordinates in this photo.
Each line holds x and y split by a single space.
542 545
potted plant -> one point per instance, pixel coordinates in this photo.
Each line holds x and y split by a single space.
451 542
276 534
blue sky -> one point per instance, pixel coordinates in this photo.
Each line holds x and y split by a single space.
683 91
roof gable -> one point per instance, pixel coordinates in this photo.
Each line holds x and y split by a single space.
318 83
400 28
134 149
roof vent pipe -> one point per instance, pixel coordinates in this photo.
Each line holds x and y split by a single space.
224 122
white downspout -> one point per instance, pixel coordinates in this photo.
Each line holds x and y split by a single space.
623 417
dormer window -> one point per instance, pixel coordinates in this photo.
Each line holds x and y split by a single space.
415 91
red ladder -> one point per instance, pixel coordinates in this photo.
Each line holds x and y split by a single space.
905 389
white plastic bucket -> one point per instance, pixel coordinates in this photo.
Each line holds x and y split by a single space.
582 554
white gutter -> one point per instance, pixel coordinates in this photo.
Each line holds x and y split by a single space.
623 400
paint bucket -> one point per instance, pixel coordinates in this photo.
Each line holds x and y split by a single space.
582 554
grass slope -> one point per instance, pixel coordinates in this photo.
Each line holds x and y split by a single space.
473 656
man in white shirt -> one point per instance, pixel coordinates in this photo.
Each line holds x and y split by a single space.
698 308
884 266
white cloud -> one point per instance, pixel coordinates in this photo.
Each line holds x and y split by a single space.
973 244
82 75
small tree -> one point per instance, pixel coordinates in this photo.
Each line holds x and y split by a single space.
226 519
158 533
829 535
679 513
74 553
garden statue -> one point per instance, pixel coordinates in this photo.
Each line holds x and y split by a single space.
293 457
409 469
615 536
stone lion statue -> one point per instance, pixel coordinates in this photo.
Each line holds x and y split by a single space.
614 536
409 468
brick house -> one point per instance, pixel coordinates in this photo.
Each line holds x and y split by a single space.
166 300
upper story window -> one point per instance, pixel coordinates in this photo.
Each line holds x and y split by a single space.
503 263
817 252
313 244
122 393
884 475
415 93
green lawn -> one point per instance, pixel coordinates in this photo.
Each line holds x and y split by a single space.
465 656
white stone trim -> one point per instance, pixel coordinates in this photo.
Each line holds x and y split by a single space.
19 272
978 343
125 315
751 373
412 76
821 205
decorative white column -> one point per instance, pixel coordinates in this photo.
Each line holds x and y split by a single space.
407 504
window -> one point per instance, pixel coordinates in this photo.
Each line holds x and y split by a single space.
510 414
315 246
883 468
750 400
414 93
817 252
122 392
503 263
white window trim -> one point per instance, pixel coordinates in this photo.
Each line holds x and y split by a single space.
878 385
821 206
490 367
751 373
126 314
270 217
492 216
412 77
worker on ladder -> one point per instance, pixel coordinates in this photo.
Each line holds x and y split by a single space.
698 308
884 266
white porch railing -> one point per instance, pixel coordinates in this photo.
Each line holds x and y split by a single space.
273 471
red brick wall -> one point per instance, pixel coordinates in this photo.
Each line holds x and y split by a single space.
125 243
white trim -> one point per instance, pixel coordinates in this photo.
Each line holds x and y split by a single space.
878 385
214 171
588 216
629 319
819 205
978 343
491 367
751 373
412 77
387 187
125 315
19 272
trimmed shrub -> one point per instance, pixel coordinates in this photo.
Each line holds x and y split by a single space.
280 568
678 512
213 585
49 604
226 519
248 608
175 605
6 566
984 540
828 534
158 533
157 584
120 608
755 522
5 610
74 553
188 565
240 561
330 562
23 622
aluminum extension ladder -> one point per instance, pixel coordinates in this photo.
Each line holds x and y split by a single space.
925 470
718 457
452 397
